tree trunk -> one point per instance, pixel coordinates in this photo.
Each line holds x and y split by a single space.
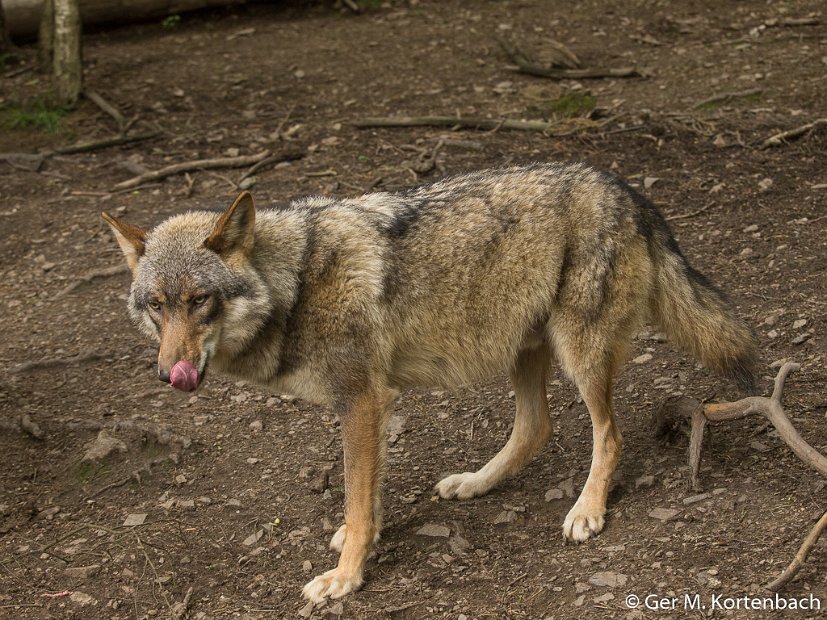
46 36
67 66
5 41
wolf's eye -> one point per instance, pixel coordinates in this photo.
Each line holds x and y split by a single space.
200 300
155 305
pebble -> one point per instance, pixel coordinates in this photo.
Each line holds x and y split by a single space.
567 486
433 530
580 587
642 359
552 494
307 610
506 516
645 482
186 504
578 602
608 579
648 182
136 518
256 426
253 460
801 339
82 599
694 499
664 514
604 598
82 572
103 445
307 566
758 446
799 323
751 228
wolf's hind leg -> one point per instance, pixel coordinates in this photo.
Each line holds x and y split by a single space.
532 430
586 517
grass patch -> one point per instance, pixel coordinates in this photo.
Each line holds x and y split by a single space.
171 22
86 471
37 116
575 103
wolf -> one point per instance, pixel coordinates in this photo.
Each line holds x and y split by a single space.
348 302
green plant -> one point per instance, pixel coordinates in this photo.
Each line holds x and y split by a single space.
171 22
575 103
36 116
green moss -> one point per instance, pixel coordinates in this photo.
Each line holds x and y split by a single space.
575 103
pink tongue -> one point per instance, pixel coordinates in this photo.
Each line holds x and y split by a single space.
184 376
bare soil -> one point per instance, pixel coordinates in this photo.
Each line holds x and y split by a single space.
243 514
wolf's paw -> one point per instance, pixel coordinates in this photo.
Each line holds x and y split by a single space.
334 584
461 486
582 524
337 543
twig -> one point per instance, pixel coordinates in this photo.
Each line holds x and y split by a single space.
107 107
189 166
780 138
454 122
54 362
525 65
727 97
104 272
773 410
287 156
154 572
179 610
807 546
352 6
690 214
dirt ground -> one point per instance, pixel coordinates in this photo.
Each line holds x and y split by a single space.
241 489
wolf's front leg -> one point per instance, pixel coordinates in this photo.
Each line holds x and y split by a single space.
363 443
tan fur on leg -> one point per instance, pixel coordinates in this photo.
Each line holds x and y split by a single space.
532 430
363 442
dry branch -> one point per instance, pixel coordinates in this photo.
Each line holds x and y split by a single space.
527 66
454 122
781 138
803 551
189 166
85 147
106 107
727 97
772 409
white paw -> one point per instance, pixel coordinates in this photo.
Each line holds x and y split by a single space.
582 524
461 486
337 543
332 584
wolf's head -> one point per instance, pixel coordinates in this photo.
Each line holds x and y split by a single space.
194 288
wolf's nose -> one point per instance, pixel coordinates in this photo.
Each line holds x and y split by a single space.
163 375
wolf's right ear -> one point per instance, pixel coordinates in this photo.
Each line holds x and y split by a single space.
235 229
131 239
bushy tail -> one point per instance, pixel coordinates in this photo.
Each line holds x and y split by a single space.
699 318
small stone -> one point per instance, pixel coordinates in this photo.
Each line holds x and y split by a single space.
764 184
307 610
180 479
694 499
253 460
307 566
458 545
645 482
578 602
187 504
434 531
337 609
608 579
253 538
801 339
136 518
567 486
664 514
103 445
604 598
82 599
256 426
233 503
581 587
758 446
506 516
751 228
648 182
553 494
82 572
642 359
799 323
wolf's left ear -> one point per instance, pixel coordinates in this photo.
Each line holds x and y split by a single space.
234 230
131 239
